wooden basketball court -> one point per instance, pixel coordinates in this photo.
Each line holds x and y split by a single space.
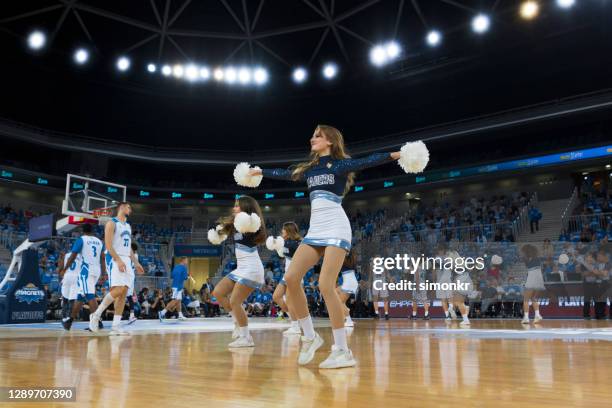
400 363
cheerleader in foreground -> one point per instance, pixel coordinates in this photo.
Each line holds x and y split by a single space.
247 227
285 246
329 174
348 286
534 284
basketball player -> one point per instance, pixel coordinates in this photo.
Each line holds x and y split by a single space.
69 272
120 263
381 295
459 296
130 293
179 275
420 296
444 276
89 248
348 285
248 229
292 239
329 173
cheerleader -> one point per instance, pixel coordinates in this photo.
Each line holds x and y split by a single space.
286 245
534 283
329 174
459 296
347 285
247 227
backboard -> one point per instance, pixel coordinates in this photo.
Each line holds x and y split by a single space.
84 194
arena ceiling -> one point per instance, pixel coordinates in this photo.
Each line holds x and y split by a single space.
559 54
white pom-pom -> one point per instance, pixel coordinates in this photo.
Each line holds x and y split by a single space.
276 244
214 237
414 157
241 175
496 260
563 259
280 244
245 223
255 223
270 243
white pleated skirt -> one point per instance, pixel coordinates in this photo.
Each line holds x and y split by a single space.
249 270
535 279
329 225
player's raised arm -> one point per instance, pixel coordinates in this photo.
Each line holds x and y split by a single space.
109 232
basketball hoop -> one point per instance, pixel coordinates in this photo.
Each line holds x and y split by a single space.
103 215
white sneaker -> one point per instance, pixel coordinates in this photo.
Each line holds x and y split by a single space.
132 320
349 323
242 342
308 349
338 359
464 323
537 318
292 331
236 332
118 331
182 318
453 314
525 320
93 323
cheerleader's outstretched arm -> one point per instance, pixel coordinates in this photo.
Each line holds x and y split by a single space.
278 174
373 160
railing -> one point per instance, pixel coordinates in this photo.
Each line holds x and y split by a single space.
467 233
595 222
11 239
151 282
567 212
522 221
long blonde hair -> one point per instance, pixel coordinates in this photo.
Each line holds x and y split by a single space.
337 151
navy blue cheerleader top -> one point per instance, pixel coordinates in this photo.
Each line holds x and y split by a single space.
329 174
533 263
291 245
245 241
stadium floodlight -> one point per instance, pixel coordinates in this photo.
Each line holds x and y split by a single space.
299 75
566 4
151 68
123 64
330 70
178 71
37 40
529 9
166 70
260 76
244 75
481 23
434 38
192 73
81 56
204 73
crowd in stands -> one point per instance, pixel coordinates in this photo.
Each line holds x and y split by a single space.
476 219
473 227
591 219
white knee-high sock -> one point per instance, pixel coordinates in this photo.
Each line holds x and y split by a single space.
340 338
307 327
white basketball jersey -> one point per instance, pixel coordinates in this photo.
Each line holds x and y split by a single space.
91 251
75 267
122 240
